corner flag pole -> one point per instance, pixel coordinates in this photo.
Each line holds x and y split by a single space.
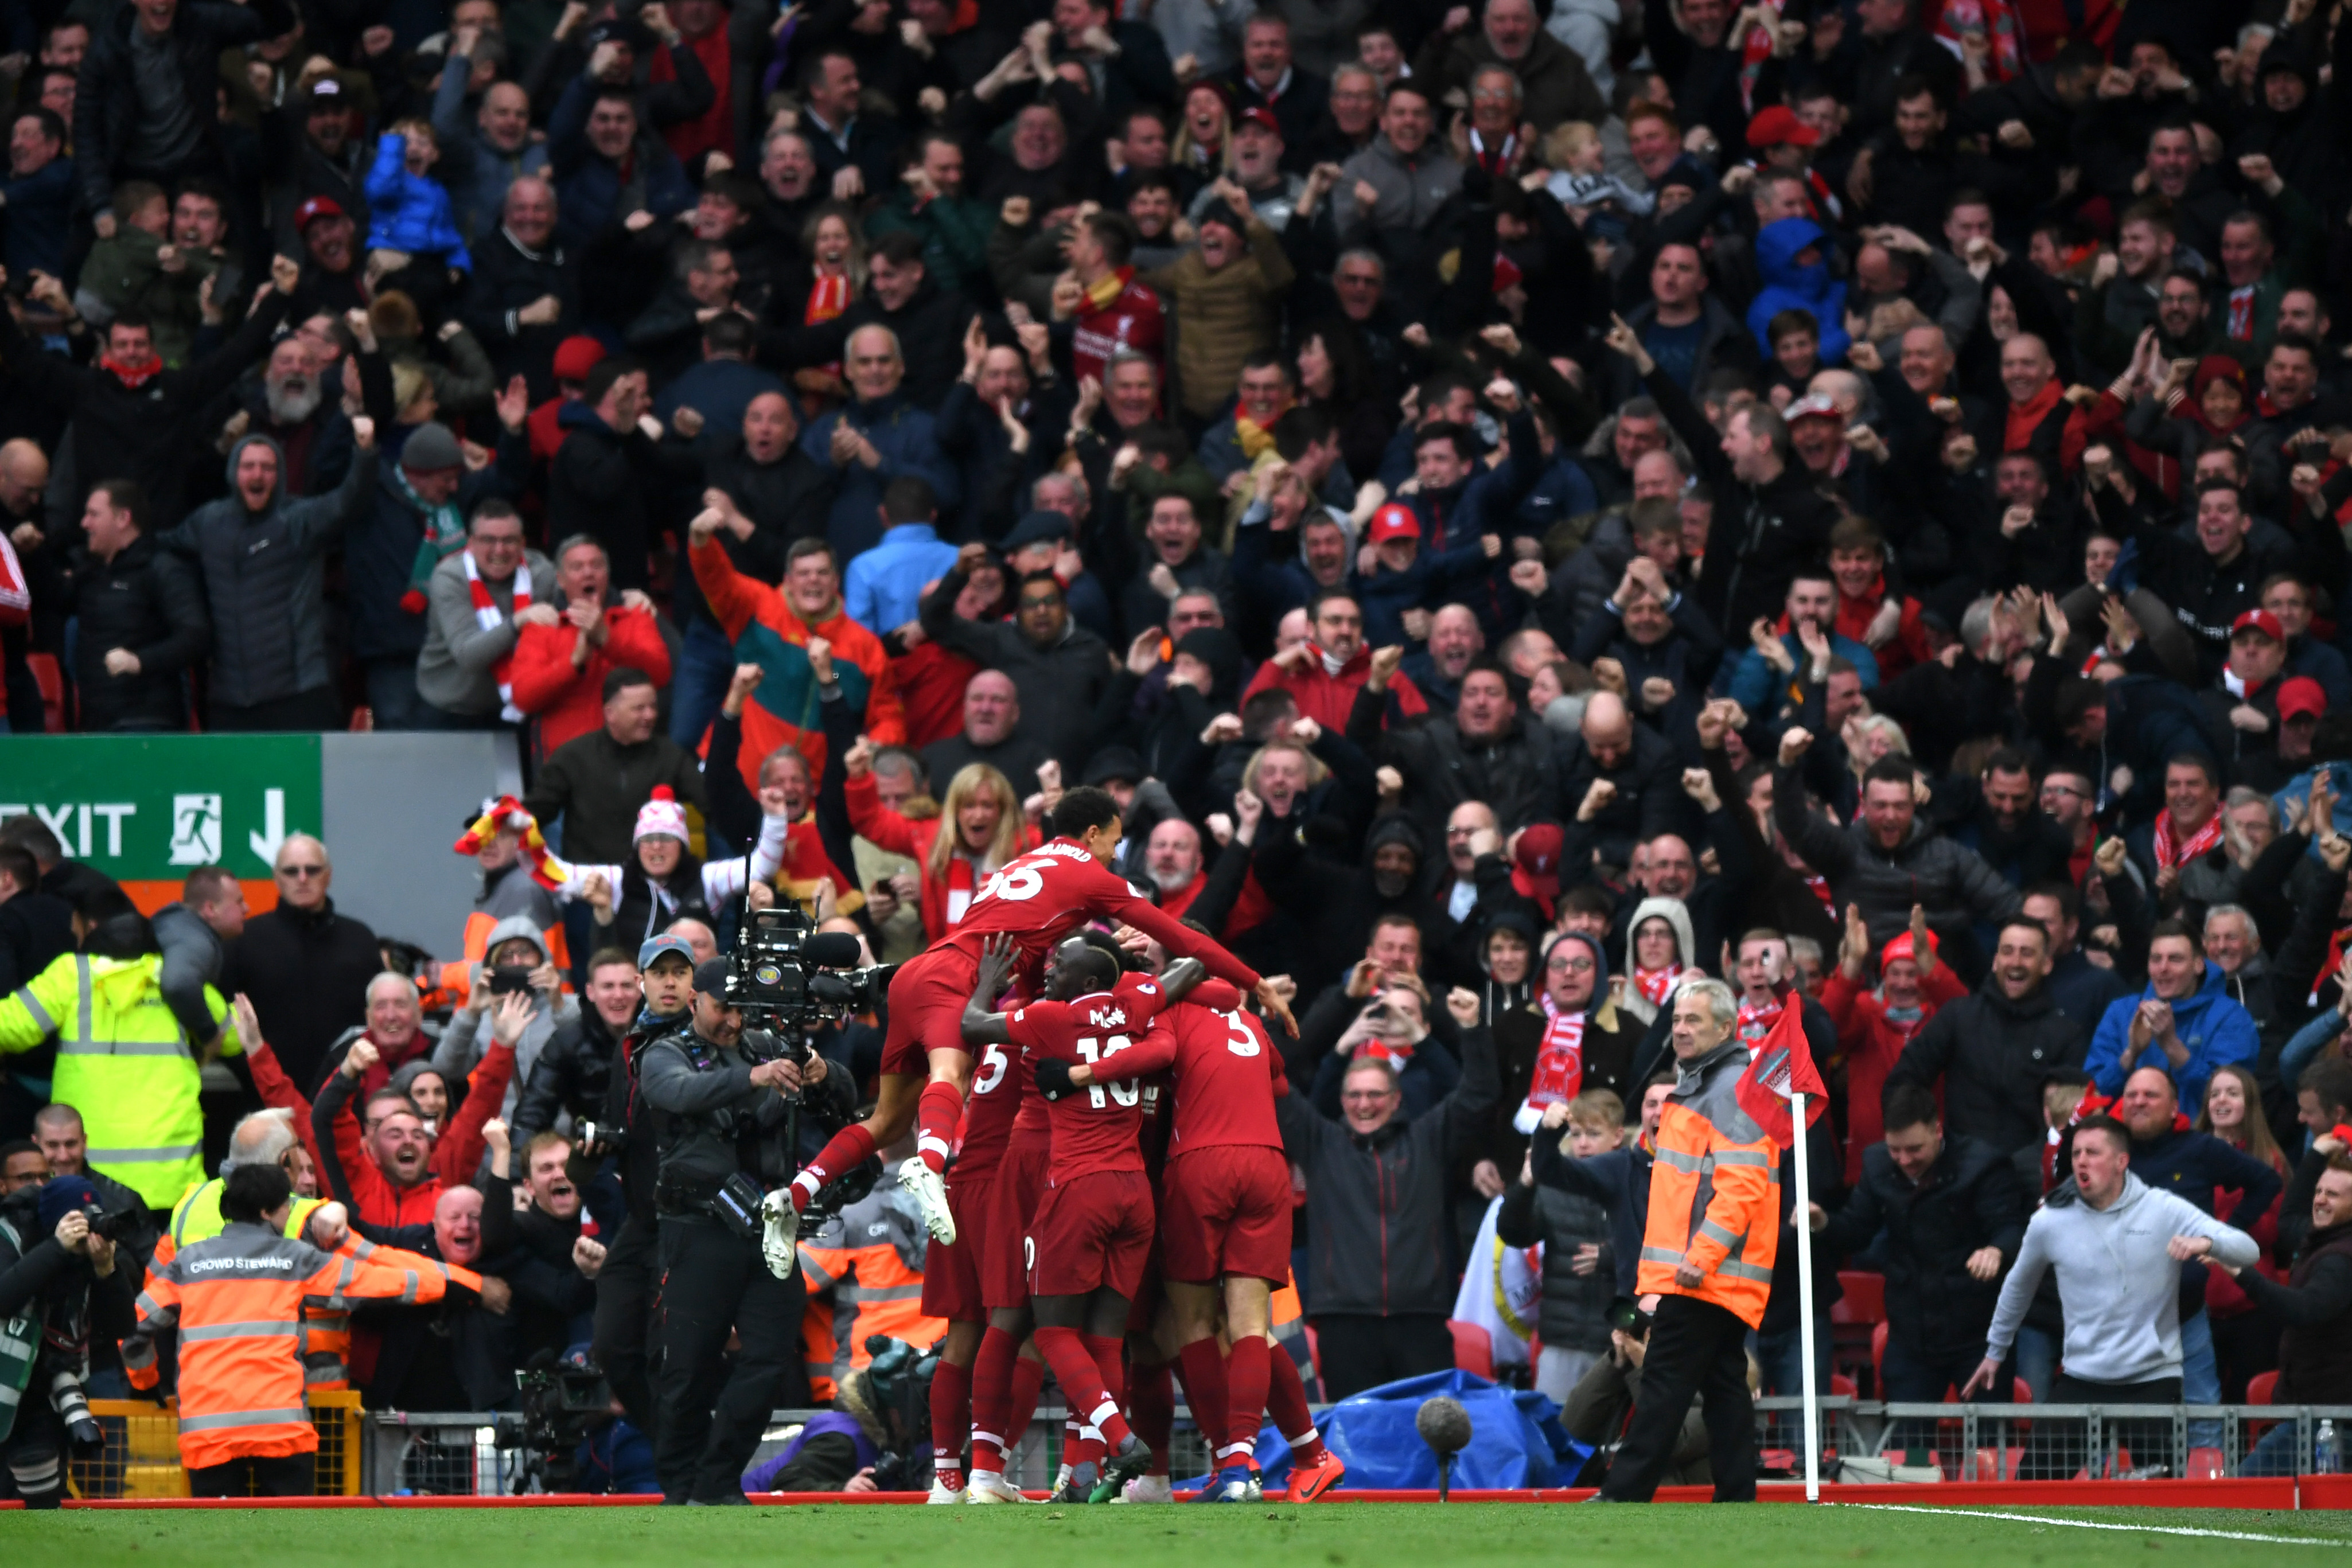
1803 1214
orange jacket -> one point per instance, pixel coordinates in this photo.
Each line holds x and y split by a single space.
863 1258
767 632
238 1301
569 700
1714 1192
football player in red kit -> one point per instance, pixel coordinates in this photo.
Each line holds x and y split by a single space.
1037 900
1225 1218
1093 1229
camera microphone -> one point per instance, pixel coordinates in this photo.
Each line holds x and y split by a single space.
833 950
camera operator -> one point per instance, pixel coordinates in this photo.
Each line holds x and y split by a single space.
720 1121
629 1279
55 1292
1604 1397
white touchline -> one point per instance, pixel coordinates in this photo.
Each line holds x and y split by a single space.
2094 1524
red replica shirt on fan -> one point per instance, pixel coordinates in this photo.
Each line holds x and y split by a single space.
1094 1129
1050 891
1228 1073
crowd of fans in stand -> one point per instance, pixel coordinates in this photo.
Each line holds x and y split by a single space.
1521 507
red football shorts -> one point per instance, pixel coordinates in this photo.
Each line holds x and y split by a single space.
1093 1232
926 1000
1226 1211
951 1273
1012 1195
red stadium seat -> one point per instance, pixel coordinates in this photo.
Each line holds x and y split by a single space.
2261 1388
1473 1350
1864 1300
1841 1383
52 682
2206 1465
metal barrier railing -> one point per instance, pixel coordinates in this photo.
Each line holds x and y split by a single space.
1908 1441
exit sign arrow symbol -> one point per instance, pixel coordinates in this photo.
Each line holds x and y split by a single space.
265 843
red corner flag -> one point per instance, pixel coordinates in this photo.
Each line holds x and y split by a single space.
1783 1066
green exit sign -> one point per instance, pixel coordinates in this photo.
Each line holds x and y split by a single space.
152 808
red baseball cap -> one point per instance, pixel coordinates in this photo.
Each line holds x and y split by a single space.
1262 118
575 357
1777 124
1814 405
2301 697
1535 870
2261 621
316 207
1392 522
1901 947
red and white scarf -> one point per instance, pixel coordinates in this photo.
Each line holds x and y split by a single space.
1821 889
1559 1064
1755 48
488 616
1657 985
2171 852
507 811
1757 1019
966 877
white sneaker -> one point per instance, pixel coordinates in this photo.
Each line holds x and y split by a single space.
779 1242
1251 1491
930 1191
1146 1488
942 1494
990 1486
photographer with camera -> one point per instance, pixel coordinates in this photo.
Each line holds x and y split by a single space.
58 1285
721 1123
518 965
1602 1401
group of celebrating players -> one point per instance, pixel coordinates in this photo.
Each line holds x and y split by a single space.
1087 1222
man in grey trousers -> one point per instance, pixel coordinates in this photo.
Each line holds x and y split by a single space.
2118 1245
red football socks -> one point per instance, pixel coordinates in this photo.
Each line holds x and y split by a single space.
1077 1367
936 1115
1152 1409
1204 1390
991 1389
1028 1378
850 1147
1285 1395
1247 1372
950 1420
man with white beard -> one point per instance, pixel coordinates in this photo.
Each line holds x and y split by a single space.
293 406
1171 859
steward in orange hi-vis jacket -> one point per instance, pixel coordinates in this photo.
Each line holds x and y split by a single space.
1707 1257
237 1301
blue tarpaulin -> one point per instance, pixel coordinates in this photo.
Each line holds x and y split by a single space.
1515 1438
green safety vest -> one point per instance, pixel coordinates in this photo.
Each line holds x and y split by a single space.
197 1217
124 1063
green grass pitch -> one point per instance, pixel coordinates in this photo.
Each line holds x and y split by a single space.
1324 1535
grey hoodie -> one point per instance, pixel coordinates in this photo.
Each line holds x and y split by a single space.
469 1034
2120 1288
266 580
1675 913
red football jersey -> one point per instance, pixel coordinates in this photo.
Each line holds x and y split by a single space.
1228 1076
1094 1129
1049 893
987 1111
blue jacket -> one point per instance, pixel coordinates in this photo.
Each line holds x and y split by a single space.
2215 1029
410 212
588 185
36 218
1435 579
909 443
1788 286
1751 682
884 587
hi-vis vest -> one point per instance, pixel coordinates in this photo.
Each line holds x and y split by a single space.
325 1338
124 1063
862 1256
236 1301
1714 1192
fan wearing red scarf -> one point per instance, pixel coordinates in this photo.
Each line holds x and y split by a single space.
2188 826
1570 1038
1766 982
1039 899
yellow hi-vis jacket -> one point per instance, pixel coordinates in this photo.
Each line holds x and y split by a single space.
122 1063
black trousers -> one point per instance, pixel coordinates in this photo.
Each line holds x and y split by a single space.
628 1289
289 1476
709 1419
1359 1351
304 711
2059 1448
1696 1348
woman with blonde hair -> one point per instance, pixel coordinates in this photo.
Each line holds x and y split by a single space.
1204 142
978 831
835 248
